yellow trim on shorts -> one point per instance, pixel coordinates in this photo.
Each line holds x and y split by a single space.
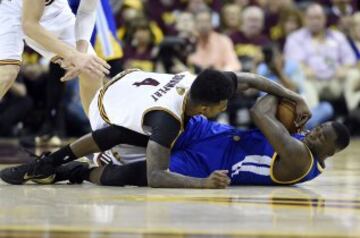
102 91
294 180
10 62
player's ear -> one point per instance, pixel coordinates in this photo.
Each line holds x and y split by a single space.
204 109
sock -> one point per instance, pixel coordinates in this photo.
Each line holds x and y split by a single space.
62 156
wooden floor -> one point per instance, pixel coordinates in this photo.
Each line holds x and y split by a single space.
326 207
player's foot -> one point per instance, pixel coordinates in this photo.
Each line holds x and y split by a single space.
40 168
73 172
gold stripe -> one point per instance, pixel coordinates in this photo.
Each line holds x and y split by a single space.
102 91
10 62
294 180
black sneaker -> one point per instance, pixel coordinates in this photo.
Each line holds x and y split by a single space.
40 168
74 172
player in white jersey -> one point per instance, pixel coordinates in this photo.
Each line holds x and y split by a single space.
51 29
151 110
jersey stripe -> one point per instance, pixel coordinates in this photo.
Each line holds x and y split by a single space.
102 91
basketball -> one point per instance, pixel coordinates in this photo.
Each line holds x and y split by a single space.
286 114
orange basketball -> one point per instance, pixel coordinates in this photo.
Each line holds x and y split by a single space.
286 114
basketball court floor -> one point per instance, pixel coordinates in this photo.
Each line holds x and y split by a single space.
326 207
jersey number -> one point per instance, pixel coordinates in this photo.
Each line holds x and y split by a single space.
147 81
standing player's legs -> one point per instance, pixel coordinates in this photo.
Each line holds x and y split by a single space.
88 87
11 47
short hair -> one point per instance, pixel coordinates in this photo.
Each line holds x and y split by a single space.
342 135
211 87
253 11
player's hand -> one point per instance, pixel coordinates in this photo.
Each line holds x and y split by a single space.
83 63
303 113
218 179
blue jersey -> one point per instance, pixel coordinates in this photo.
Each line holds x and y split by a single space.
206 146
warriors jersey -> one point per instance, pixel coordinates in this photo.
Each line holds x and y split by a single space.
126 99
248 156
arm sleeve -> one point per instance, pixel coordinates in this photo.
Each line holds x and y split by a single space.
85 19
164 127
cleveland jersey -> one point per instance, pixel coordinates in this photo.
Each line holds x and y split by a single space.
207 146
126 99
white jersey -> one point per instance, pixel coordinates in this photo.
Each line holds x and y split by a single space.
130 95
53 8
57 18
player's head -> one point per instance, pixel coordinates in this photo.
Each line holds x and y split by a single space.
327 139
209 94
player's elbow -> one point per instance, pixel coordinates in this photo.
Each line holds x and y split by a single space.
255 113
28 27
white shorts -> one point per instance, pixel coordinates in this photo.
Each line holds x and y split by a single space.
120 154
12 36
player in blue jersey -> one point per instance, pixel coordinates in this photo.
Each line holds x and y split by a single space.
268 155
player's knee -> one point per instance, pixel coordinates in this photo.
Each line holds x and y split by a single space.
129 174
8 74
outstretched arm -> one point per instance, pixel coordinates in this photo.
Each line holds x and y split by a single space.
291 151
32 13
84 24
249 80
159 176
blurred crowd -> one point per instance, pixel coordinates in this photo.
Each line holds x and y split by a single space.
311 47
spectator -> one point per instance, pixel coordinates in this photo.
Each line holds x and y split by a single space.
290 20
249 40
273 10
130 11
339 15
174 50
195 6
213 49
230 18
289 73
244 3
139 49
352 85
164 12
324 54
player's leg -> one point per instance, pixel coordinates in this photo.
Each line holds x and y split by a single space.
89 85
133 174
8 74
11 47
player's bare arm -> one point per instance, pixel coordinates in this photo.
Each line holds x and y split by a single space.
76 61
249 80
158 175
293 153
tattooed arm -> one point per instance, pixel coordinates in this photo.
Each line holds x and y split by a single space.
159 176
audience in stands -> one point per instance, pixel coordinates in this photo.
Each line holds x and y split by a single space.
230 18
249 39
213 49
324 54
139 49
